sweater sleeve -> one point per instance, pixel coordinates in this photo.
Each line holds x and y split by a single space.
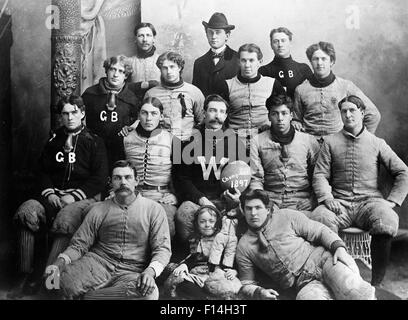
198 107
297 106
184 185
312 155
321 176
118 151
86 235
159 236
182 172
307 72
98 172
46 185
315 232
278 89
247 273
257 171
264 71
134 110
398 170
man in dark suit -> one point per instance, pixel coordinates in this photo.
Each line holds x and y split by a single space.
220 62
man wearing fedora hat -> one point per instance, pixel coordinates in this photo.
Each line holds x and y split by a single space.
220 62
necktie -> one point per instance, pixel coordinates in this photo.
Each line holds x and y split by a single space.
262 241
111 101
183 105
68 143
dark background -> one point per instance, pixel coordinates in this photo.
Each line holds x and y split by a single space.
25 97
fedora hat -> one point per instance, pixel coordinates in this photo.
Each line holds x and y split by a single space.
218 21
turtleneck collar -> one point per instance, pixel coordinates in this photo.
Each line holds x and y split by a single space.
172 85
147 134
145 54
282 61
246 80
110 87
321 83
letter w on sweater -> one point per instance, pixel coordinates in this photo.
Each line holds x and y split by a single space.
211 166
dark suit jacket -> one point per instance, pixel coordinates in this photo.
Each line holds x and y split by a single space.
206 74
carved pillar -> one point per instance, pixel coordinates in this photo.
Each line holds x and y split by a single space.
66 54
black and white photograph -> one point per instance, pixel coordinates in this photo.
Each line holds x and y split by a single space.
204 154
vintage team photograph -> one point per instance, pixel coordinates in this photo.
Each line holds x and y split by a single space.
219 150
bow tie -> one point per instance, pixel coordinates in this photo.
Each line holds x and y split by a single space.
217 55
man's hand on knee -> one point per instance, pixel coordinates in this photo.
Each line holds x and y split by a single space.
145 283
342 256
333 205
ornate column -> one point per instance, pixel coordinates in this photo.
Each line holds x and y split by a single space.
65 54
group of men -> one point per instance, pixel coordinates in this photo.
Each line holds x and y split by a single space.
308 137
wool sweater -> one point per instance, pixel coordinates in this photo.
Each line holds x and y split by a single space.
129 237
82 172
171 98
273 173
317 108
106 123
289 73
348 168
145 69
248 100
151 155
197 170
292 240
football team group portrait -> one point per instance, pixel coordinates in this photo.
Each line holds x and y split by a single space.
205 164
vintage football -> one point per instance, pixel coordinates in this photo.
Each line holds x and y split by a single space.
236 174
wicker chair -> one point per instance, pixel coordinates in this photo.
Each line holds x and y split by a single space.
358 244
